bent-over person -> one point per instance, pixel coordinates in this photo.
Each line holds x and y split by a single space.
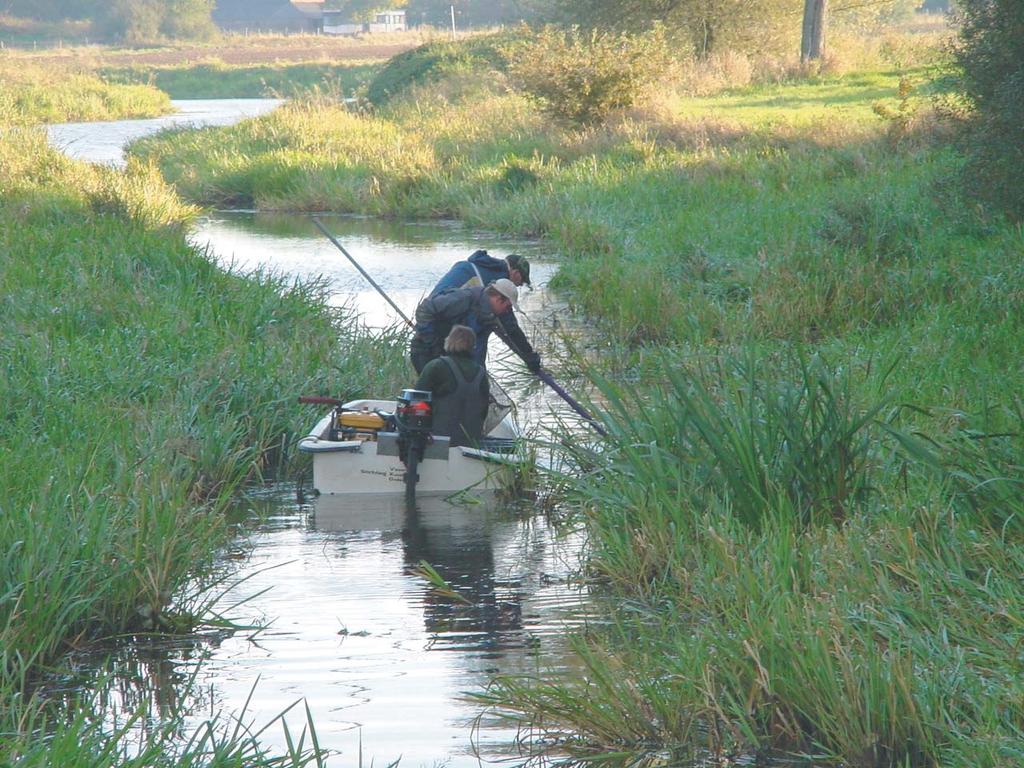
481 309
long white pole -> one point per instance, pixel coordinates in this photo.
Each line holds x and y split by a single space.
453 20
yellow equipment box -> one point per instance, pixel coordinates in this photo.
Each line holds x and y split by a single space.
360 420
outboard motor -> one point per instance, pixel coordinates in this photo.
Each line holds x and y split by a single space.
414 419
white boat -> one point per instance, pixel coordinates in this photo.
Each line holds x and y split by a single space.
354 452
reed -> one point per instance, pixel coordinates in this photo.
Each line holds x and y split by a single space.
742 622
84 742
142 385
799 557
861 646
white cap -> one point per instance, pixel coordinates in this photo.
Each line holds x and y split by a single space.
506 288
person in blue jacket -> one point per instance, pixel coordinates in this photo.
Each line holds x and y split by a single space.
481 270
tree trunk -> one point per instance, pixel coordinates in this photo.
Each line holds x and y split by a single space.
812 41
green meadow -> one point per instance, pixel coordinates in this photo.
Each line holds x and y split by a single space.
805 522
33 93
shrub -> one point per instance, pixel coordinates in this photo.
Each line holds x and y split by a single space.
188 19
991 55
582 77
138 21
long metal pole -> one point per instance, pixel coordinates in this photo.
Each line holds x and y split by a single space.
362 271
548 379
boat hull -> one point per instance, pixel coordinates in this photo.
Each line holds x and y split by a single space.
372 466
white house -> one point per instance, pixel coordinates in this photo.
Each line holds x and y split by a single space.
388 21
336 23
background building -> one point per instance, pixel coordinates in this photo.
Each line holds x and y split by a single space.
268 15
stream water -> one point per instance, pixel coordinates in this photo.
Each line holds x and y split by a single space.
104 142
345 625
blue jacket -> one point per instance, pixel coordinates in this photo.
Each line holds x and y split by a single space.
463 275
481 266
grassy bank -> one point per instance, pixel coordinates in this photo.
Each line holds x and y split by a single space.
224 81
788 569
807 515
142 385
32 93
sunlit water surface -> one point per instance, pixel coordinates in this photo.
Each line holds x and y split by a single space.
104 142
383 662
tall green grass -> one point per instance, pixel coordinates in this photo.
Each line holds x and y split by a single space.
32 94
786 570
142 384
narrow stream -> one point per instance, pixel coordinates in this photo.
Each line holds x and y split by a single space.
104 142
344 624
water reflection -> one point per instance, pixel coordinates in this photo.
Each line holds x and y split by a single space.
405 258
382 659
480 616
346 625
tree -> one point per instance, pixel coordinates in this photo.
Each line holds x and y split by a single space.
189 19
708 26
133 21
750 26
991 56
126 20
812 40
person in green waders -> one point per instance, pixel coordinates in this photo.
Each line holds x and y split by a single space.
459 388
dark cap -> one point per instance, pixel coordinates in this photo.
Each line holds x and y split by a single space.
515 261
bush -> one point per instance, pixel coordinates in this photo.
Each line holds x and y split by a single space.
133 21
582 77
188 19
991 55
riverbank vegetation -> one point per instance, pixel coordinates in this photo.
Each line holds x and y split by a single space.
217 80
31 94
132 21
807 512
142 385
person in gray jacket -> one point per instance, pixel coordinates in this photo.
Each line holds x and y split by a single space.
480 309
